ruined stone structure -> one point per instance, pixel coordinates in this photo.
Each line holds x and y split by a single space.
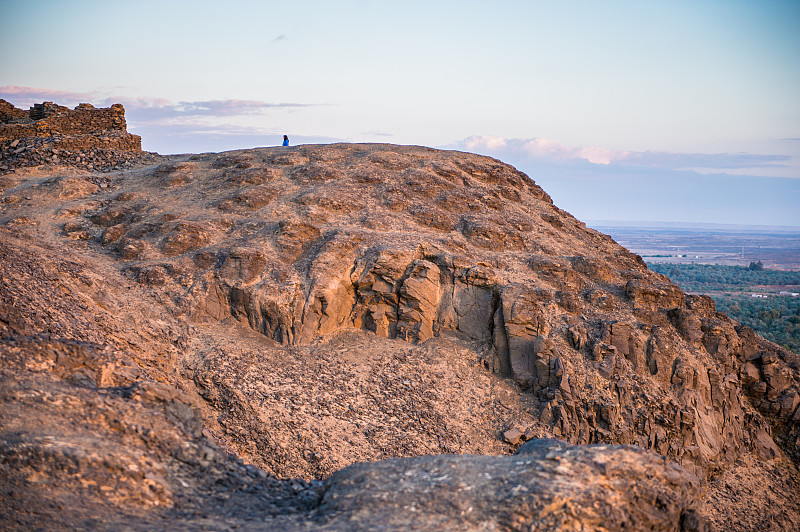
9 113
48 133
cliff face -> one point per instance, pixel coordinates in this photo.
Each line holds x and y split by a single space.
310 307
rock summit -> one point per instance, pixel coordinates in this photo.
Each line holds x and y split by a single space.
347 336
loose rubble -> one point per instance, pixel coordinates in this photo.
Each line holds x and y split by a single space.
87 138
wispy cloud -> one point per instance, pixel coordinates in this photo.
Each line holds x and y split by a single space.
189 129
156 110
376 133
146 109
281 37
27 96
548 150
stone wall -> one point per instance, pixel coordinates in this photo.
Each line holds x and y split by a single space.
53 134
9 113
48 120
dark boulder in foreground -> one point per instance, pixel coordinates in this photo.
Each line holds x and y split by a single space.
546 485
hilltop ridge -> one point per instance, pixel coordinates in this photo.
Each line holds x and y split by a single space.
244 325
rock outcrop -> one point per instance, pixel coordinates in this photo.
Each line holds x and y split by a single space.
545 485
610 351
314 307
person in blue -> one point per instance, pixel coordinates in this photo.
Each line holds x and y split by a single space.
285 140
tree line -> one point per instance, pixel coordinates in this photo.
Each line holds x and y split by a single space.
776 318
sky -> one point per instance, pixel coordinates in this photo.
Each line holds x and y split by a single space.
680 110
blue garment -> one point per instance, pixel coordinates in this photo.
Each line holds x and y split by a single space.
285 142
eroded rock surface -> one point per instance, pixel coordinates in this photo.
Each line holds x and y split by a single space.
545 485
318 306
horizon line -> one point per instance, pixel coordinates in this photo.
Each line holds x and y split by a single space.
652 224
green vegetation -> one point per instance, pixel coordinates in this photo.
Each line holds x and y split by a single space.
704 278
775 317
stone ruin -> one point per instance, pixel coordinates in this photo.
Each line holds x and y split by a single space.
85 137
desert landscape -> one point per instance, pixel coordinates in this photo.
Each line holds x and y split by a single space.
356 337
776 247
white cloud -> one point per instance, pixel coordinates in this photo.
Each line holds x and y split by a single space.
545 148
549 150
487 142
26 96
160 112
542 148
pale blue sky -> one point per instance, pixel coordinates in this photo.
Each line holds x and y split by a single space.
686 92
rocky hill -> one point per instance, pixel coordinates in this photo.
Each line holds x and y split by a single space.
340 336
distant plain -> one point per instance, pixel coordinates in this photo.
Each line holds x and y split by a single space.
776 247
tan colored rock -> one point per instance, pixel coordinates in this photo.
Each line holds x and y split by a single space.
183 237
70 187
250 176
133 249
418 301
242 266
648 296
295 237
238 160
340 322
174 174
251 198
512 436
